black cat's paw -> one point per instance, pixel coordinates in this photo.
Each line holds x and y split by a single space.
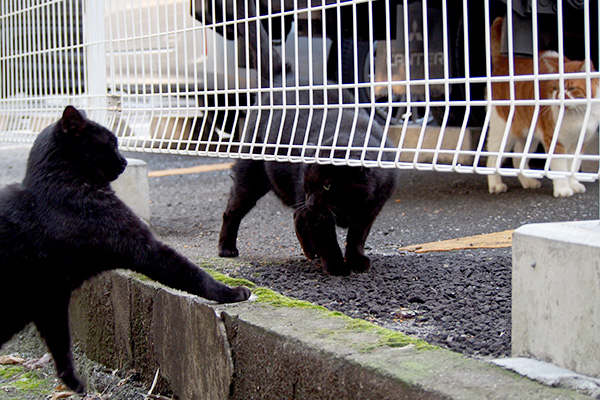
358 263
229 253
336 269
310 255
72 381
240 293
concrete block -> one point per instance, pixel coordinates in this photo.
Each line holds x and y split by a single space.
429 141
552 375
132 187
556 294
119 322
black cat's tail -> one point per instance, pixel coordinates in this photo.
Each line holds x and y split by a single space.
262 55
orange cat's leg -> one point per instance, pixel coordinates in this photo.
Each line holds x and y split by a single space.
573 182
526 182
563 187
494 143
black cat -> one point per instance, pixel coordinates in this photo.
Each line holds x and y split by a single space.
63 224
323 196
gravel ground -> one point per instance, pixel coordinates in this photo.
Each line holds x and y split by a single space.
432 296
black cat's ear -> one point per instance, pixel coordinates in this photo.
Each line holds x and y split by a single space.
310 151
72 121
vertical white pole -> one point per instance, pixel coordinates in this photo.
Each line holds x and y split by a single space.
598 175
95 59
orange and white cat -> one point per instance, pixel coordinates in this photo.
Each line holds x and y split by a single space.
571 123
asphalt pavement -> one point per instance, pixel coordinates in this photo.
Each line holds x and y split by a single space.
427 207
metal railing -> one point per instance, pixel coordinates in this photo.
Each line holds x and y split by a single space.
181 76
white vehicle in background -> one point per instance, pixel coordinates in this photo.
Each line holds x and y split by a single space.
169 76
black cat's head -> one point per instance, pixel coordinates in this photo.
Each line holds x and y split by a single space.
330 187
89 148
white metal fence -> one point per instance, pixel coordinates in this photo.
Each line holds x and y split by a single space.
180 76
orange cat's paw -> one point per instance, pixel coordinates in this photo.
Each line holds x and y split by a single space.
529 183
562 191
577 187
498 188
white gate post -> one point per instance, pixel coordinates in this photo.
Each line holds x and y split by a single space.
95 58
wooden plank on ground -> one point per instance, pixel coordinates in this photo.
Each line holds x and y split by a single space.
190 170
486 241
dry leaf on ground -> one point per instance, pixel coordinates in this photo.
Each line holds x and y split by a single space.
37 363
62 395
11 360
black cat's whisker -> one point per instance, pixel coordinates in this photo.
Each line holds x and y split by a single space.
300 206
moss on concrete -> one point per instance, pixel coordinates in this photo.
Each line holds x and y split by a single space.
8 371
387 338
29 381
227 279
275 299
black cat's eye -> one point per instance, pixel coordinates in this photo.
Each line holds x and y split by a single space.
327 186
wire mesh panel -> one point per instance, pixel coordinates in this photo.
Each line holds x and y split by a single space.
432 85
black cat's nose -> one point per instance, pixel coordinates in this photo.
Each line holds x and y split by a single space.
123 162
311 202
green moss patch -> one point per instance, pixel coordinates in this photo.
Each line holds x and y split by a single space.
275 299
387 337
9 371
29 381
19 382
229 280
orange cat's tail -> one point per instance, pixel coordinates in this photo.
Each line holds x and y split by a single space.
496 39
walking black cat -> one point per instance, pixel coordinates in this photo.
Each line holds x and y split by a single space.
322 196
63 224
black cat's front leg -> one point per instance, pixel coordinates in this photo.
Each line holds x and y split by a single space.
324 238
301 223
356 259
250 184
53 324
170 268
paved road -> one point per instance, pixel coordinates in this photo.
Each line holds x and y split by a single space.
427 207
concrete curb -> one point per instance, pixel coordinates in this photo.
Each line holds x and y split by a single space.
258 351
